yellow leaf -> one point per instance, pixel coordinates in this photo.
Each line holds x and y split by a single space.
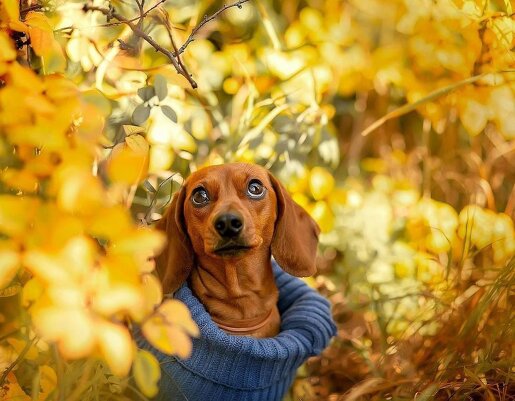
32 290
300 181
7 52
132 129
153 292
321 183
71 328
42 165
128 162
11 7
41 40
16 214
154 330
175 312
48 381
323 215
110 222
18 26
58 88
78 190
137 143
116 347
79 257
67 295
180 340
9 264
141 240
147 373
117 298
25 78
92 124
46 266
301 199
19 345
21 180
38 20
167 339
473 115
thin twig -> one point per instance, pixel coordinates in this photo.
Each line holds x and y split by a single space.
17 361
174 58
207 19
135 19
148 214
166 22
111 13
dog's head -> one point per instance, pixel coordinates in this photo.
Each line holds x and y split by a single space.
234 211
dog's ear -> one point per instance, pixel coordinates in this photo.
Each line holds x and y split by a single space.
174 264
295 240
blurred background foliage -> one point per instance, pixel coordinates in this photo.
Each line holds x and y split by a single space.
392 123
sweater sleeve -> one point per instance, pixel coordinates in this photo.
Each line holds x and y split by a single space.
304 311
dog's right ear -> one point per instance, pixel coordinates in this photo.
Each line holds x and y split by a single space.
175 262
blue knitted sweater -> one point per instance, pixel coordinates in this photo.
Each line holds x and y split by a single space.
224 367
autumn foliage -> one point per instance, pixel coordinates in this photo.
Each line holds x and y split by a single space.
391 122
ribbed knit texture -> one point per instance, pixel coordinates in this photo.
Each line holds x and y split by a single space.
224 367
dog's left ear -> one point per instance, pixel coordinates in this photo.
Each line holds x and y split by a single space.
295 240
175 262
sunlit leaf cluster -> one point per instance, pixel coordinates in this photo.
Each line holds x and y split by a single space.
74 266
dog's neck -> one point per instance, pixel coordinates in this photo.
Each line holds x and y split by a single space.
244 287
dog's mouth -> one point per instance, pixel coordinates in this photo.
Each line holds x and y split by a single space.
231 248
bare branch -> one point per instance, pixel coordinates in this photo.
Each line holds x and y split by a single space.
165 19
207 19
135 19
173 56
110 13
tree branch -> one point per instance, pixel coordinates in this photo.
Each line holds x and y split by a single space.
173 56
207 19
110 13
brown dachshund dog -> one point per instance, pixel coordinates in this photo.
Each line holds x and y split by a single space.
223 226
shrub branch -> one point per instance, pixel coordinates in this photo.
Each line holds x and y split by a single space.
173 56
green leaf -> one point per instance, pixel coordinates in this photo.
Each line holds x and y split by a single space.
146 373
140 114
146 93
161 88
149 187
168 112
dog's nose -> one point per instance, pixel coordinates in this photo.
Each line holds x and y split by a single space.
228 225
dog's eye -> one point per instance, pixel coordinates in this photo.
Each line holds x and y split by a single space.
256 190
199 197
